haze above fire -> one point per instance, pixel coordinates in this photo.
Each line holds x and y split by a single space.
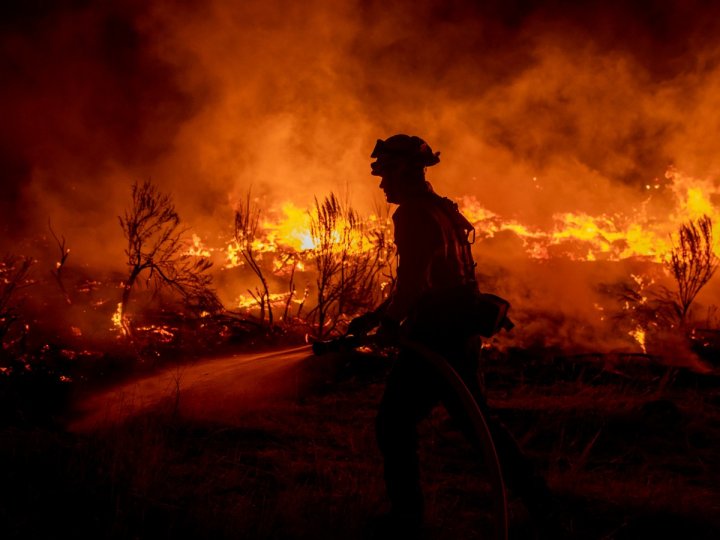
538 110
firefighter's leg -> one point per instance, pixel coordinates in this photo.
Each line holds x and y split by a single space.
519 473
409 397
549 514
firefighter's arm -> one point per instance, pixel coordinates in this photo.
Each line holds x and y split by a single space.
367 321
418 239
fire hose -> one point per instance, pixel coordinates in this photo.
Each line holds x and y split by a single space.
470 406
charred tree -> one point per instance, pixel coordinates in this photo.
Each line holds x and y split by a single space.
292 289
246 228
692 262
57 272
157 247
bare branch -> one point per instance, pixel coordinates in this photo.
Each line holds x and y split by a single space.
156 244
692 262
57 271
247 218
13 276
348 269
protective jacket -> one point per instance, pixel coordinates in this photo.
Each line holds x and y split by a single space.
435 261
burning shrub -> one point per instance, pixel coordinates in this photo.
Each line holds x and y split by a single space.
158 245
347 267
246 228
652 310
692 262
347 257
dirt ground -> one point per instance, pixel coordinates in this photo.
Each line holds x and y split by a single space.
629 446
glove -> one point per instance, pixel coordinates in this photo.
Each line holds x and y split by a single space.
361 325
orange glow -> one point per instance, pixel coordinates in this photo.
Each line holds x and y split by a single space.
164 334
197 248
608 237
290 230
286 236
639 335
562 144
247 302
119 321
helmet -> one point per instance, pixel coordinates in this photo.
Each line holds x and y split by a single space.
411 149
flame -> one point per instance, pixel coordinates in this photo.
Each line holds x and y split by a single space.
609 237
164 334
286 237
247 302
284 241
119 320
197 248
291 229
639 335
285 230
233 255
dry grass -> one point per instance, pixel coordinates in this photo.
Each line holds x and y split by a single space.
627 459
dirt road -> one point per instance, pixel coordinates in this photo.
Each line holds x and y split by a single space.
222 389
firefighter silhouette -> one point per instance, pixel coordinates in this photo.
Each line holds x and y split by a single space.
435 276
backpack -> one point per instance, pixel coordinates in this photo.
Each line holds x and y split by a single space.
470 311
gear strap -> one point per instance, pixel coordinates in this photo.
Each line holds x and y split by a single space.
464 232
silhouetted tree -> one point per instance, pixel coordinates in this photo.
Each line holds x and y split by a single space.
247 218
157 246
293 259
692 262
57 272
347 267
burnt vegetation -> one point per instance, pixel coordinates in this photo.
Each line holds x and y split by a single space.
58 271
247 219
692 262
14 272
158 251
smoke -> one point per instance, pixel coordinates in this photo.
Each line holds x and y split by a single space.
537 107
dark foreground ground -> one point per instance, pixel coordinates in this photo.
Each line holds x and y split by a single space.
630 446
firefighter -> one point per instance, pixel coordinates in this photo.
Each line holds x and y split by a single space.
435 272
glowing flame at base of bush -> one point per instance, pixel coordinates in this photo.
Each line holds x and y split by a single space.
119 321
639 335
